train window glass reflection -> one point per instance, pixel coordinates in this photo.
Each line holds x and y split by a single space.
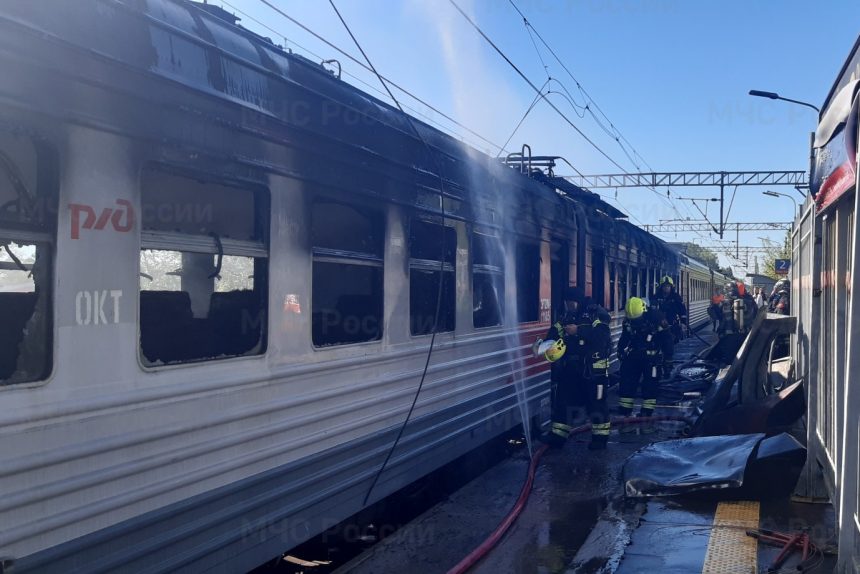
528 282
488 280
203 271
347 297
28 208
432 247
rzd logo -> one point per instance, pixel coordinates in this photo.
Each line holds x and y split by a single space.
114 216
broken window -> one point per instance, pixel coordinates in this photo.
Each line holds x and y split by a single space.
348 249
28 232
432 250
203 270
488 280
528 282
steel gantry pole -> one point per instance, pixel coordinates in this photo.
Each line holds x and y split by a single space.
722 202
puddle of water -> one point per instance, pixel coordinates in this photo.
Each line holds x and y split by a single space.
558 540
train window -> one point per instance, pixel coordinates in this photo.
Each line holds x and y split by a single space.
611 287
528 282
203 270
488 280
622 286
347 299
432 250
634 282
28 232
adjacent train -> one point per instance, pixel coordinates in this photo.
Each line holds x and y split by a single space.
219 271
825 274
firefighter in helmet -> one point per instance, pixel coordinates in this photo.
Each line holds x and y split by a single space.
640 351
668 302
739 310
780 297
578 345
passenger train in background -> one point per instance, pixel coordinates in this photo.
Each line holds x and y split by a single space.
218 276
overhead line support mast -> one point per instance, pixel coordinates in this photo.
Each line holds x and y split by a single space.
797 179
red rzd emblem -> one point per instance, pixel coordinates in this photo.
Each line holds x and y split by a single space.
90 221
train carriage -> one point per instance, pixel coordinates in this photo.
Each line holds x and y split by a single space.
218 286
824 274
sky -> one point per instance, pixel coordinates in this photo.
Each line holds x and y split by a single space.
672 76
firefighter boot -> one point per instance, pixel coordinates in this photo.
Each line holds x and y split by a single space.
648 406
599 436
557 435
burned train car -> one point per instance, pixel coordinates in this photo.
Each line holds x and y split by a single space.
218 283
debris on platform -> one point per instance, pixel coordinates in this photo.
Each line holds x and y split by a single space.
736 466
774 413
744 398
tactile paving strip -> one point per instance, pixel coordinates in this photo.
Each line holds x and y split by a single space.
730 550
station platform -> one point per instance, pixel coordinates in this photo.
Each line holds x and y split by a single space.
577 519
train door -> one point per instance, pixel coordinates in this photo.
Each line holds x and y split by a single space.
559 273
598 279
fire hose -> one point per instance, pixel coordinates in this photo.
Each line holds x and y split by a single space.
484 548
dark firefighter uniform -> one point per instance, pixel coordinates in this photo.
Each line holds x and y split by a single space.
670 305
581 375
640 351
780 298
739 310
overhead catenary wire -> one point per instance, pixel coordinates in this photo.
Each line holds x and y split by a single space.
591 104
441 259
538 91
579 86
368 68
536 99
367 85
532 85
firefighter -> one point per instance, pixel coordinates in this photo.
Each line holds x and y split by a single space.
593 335
715 310
780 297
739 310
553 347
641 354
669 304
580 373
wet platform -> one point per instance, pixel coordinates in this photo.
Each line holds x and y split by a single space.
577 520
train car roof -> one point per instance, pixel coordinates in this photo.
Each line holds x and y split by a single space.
850 68
681 250
202 47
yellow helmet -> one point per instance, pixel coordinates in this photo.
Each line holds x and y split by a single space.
552 350
667 279
635 308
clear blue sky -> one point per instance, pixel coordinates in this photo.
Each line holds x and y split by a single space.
672 75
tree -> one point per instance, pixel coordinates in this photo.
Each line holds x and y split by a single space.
774 253
703 254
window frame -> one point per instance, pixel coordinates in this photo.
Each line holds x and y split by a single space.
207 245
335 256
490 270
47 161
530 243
432 265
